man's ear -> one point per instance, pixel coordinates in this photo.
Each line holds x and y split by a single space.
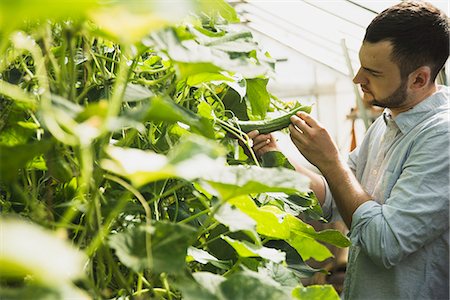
420 78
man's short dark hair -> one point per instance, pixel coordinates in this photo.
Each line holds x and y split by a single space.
418 32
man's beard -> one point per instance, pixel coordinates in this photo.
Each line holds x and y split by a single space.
396 99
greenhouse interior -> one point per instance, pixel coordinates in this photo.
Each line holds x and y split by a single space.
131 168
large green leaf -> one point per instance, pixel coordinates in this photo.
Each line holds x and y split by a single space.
267 223
234 219
232 181
331 236
303 237
169 243
143 167
309 248
315 292
274 223
130 21
189 51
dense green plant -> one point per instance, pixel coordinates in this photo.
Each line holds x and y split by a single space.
117 135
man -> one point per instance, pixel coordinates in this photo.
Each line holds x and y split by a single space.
394 192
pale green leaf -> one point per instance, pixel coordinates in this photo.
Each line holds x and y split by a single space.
200 78
218 7
232 181
331 236
267 223
139 166
136 93
193 290
309 248
29 250
209 281
191 52
245 284
280 274
200 256
315 292
234 219
246 249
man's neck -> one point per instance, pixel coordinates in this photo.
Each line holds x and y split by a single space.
414 99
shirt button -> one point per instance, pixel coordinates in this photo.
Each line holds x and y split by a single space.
374 172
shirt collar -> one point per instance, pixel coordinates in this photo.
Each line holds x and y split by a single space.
410 118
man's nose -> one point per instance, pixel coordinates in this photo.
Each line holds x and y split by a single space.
359 78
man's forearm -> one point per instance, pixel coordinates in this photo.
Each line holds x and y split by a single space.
347 192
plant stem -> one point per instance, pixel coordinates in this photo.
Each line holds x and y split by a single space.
166 285
147 210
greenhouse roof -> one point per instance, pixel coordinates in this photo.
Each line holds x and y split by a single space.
326 31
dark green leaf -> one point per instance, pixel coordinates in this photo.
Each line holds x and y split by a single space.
169 246
233 101
257 97
169 243
13 158
294 261
275 159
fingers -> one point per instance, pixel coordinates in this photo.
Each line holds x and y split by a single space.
258 146
262 143
300 124
253 134
308 119
297 137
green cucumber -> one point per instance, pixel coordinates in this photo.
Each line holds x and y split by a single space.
271 125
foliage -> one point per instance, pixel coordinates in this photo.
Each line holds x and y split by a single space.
116 136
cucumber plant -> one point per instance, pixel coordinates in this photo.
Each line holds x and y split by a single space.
115 154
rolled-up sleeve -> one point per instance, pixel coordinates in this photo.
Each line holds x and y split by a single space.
416 210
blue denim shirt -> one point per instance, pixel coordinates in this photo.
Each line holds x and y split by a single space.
400 239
